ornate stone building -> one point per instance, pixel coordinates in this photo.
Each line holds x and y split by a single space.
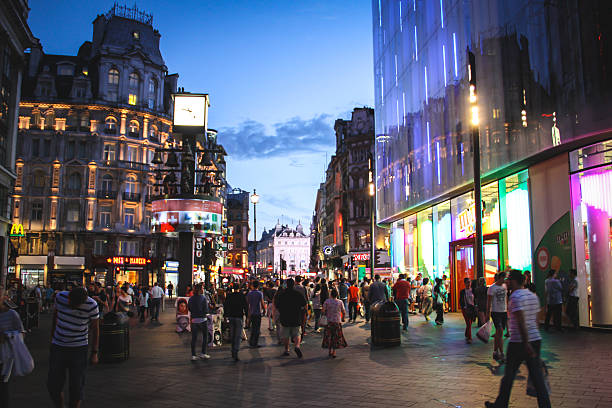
286 249
15 37
88 128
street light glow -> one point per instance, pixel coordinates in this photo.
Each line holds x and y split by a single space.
371 189
475 118
254 197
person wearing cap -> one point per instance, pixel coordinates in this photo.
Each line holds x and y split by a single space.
524 344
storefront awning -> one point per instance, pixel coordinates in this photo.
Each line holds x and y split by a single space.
69 260
31 260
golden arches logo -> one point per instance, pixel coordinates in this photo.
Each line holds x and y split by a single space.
17 230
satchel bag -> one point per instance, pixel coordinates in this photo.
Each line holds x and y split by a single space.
23 363
323 321
485 332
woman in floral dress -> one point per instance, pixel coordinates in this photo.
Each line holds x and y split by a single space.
333 309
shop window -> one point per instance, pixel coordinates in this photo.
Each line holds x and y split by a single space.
515 239
442 238
425 243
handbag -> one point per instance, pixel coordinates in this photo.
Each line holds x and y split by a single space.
323 321
23 363
485 332
531 389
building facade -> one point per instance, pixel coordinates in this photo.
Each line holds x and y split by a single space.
237 228
285 249
15 37
88 128
538 100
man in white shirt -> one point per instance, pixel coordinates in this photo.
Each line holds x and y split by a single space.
524 344
497 295
157 295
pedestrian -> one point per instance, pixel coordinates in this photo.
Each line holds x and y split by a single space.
427 304
378 291
439 294
481 300
302 289
446 283
528 282
198 310
524 343
333 338
76 315
123 301
343 292
281 288
9 322
401 294
49 292
269 293
291 304
97 294
572 299
468 308
235 308
143 304
170 288
157 295
316 306
364 292
353 298
324 291
415 296
497 309
554 300
255 300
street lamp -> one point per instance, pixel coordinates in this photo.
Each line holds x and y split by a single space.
255 200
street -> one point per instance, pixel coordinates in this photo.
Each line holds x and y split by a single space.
433 368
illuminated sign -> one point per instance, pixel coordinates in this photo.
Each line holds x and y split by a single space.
361 257
175 215
467 220
328 250
128 260
17 231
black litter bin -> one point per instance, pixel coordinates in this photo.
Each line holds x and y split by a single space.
114 338
385 325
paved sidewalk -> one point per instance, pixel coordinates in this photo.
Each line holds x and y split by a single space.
433 368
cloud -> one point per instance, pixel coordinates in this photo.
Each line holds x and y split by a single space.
251 140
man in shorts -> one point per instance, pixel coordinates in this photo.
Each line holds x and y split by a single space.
291 305
497 309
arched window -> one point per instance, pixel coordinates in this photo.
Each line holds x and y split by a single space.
107 183
74 183
134 128
113 77
131 184
110 126
153 132
38 178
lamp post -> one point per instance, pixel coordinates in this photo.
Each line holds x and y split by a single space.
372 194
475 133
255 200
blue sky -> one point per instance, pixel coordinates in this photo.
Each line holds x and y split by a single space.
278 74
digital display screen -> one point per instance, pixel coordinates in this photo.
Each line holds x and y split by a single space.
183 215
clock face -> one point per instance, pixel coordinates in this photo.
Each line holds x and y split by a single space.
189 110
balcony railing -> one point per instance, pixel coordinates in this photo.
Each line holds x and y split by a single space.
131 196
126 165
107 194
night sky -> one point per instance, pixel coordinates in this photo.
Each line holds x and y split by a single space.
278 74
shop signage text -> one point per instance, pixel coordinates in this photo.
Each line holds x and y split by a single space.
128 260
17 231
361 257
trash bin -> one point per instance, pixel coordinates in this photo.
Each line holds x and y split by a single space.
114 338
385 324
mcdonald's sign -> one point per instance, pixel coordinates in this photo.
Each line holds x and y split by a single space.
17 231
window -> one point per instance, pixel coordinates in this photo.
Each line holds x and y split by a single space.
70 146
74 183
39 179
132 154
69 246
99 247
134 80
83 149
35 147
109 152
132 99
129 248
152 94
73 212
45 88
131 184
37 211
128 218
153 132
105 216
107 183
65 70
113 77
148 219
84 122
110 125
47 148
80 91
134 128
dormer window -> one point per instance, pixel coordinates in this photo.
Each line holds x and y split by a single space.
136 35
65 70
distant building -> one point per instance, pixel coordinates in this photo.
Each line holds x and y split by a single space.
88 127
237 228
286 249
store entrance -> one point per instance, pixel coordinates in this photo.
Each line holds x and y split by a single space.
462 263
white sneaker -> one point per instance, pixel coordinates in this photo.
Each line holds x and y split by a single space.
194 358
204 356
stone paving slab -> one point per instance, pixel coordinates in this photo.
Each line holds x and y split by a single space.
433 368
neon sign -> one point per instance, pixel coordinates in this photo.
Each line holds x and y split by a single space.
128 260
17 231
467 220
361 257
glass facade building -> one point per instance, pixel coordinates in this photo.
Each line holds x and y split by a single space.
544 94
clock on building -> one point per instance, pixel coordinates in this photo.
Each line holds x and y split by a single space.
190 110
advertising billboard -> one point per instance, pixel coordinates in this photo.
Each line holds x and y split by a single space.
176 215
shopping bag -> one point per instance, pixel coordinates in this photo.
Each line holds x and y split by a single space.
485 332
323 321
23 361
531 389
